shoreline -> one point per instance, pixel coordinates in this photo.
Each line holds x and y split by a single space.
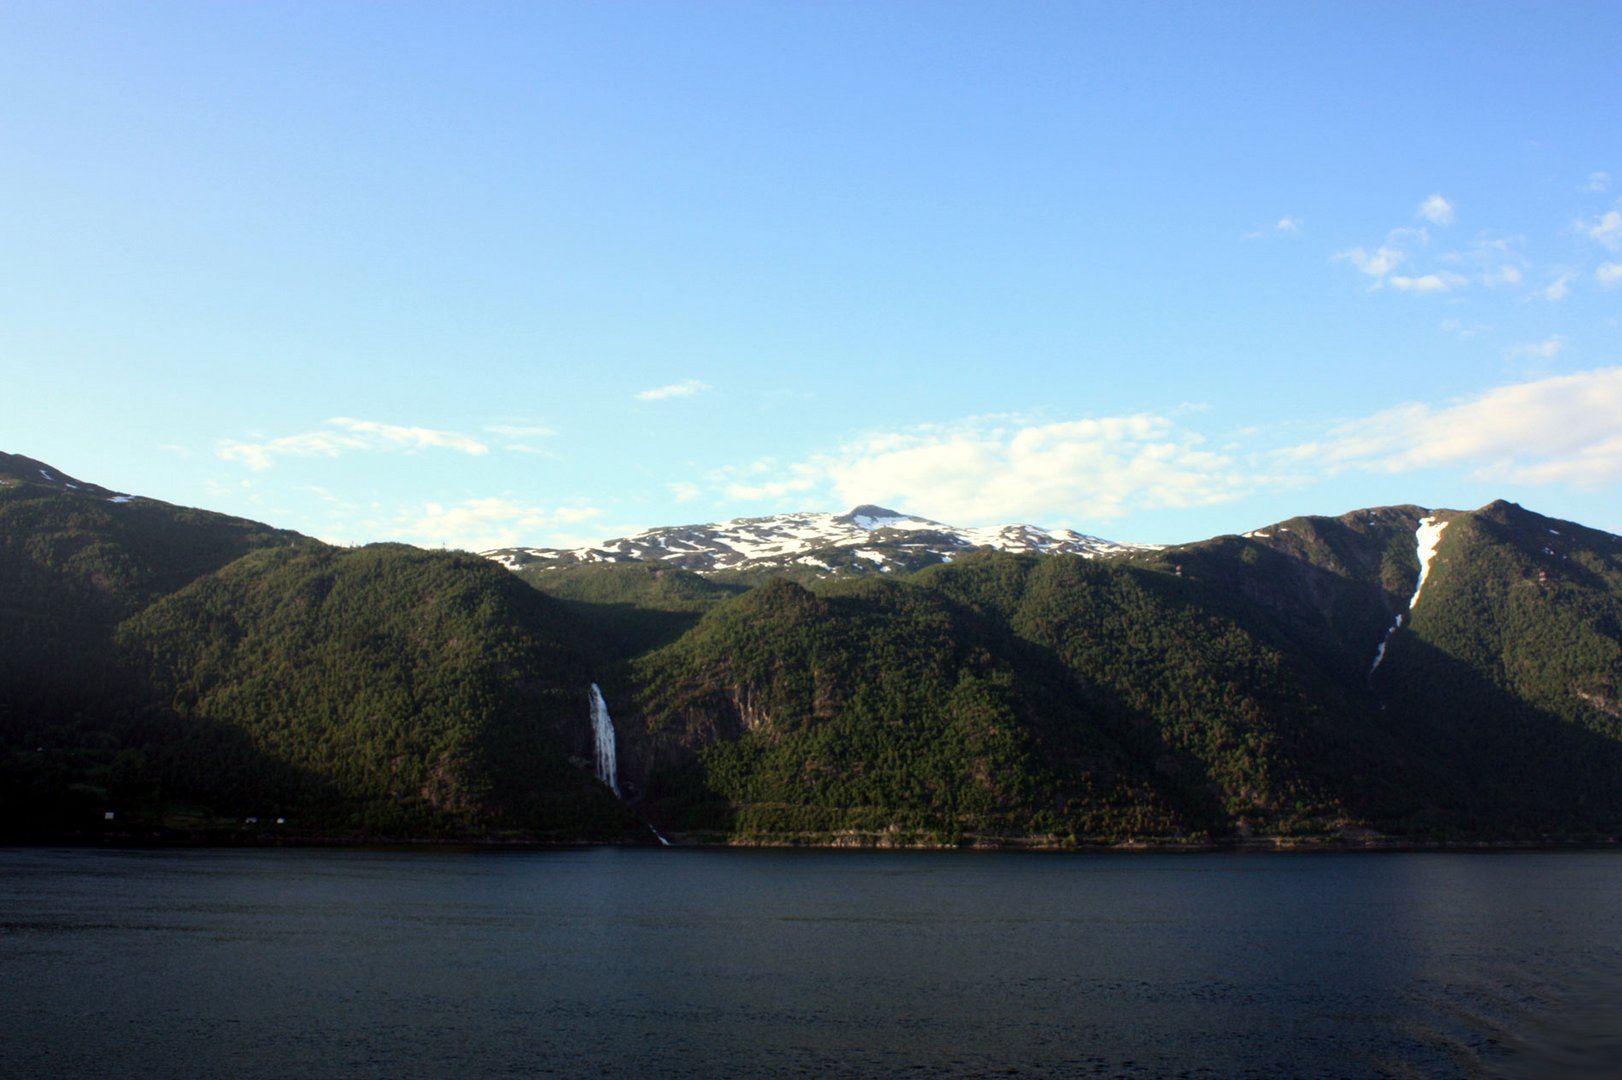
203 840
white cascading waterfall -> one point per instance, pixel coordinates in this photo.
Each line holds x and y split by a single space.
602 726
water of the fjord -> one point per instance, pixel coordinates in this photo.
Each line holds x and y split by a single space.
630 963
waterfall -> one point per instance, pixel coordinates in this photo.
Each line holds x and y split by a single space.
602 726
1379 653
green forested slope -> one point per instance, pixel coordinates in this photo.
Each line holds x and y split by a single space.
401 691
1003 695
871 707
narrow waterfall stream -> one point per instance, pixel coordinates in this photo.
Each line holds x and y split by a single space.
602 726
602 729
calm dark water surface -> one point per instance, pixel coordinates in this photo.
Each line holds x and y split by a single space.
609 962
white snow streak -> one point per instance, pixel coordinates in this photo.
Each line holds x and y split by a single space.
1426 537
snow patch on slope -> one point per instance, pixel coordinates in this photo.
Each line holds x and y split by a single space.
1426 537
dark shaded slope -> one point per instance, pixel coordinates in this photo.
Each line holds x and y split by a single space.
633 606
182 668
1506 679
75 559
1198 682
423 693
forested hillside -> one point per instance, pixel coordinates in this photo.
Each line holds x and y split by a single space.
189 671
199 676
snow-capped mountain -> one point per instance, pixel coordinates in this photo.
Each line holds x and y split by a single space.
867 538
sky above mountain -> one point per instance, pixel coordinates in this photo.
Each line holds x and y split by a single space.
485 274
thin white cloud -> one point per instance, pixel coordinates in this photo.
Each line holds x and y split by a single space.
483 524
1377 263
1560 429
1284 226
1606 229
521 431
1436 210
1503 275
323 494
1428 283
346 435
409 438
1547 349
765 479
1001 469
1608 274
1557 289
686 388
684 490
1599 182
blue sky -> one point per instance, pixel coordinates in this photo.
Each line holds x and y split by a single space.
482 274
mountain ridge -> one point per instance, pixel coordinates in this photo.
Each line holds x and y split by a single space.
867 538
1396 673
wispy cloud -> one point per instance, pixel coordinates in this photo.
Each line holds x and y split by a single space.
1428 283
1561 429
1547 349
521 431
1599 182
1436 210
1608 274
766 478
485 523
323 494
686 388
1377 263
1606 229
519 436
347 435
999 469
1557 289
1284 226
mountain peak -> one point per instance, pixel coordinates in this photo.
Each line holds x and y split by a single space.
869 516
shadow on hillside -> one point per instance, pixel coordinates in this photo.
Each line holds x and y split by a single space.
627 630
66 763
1478 761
